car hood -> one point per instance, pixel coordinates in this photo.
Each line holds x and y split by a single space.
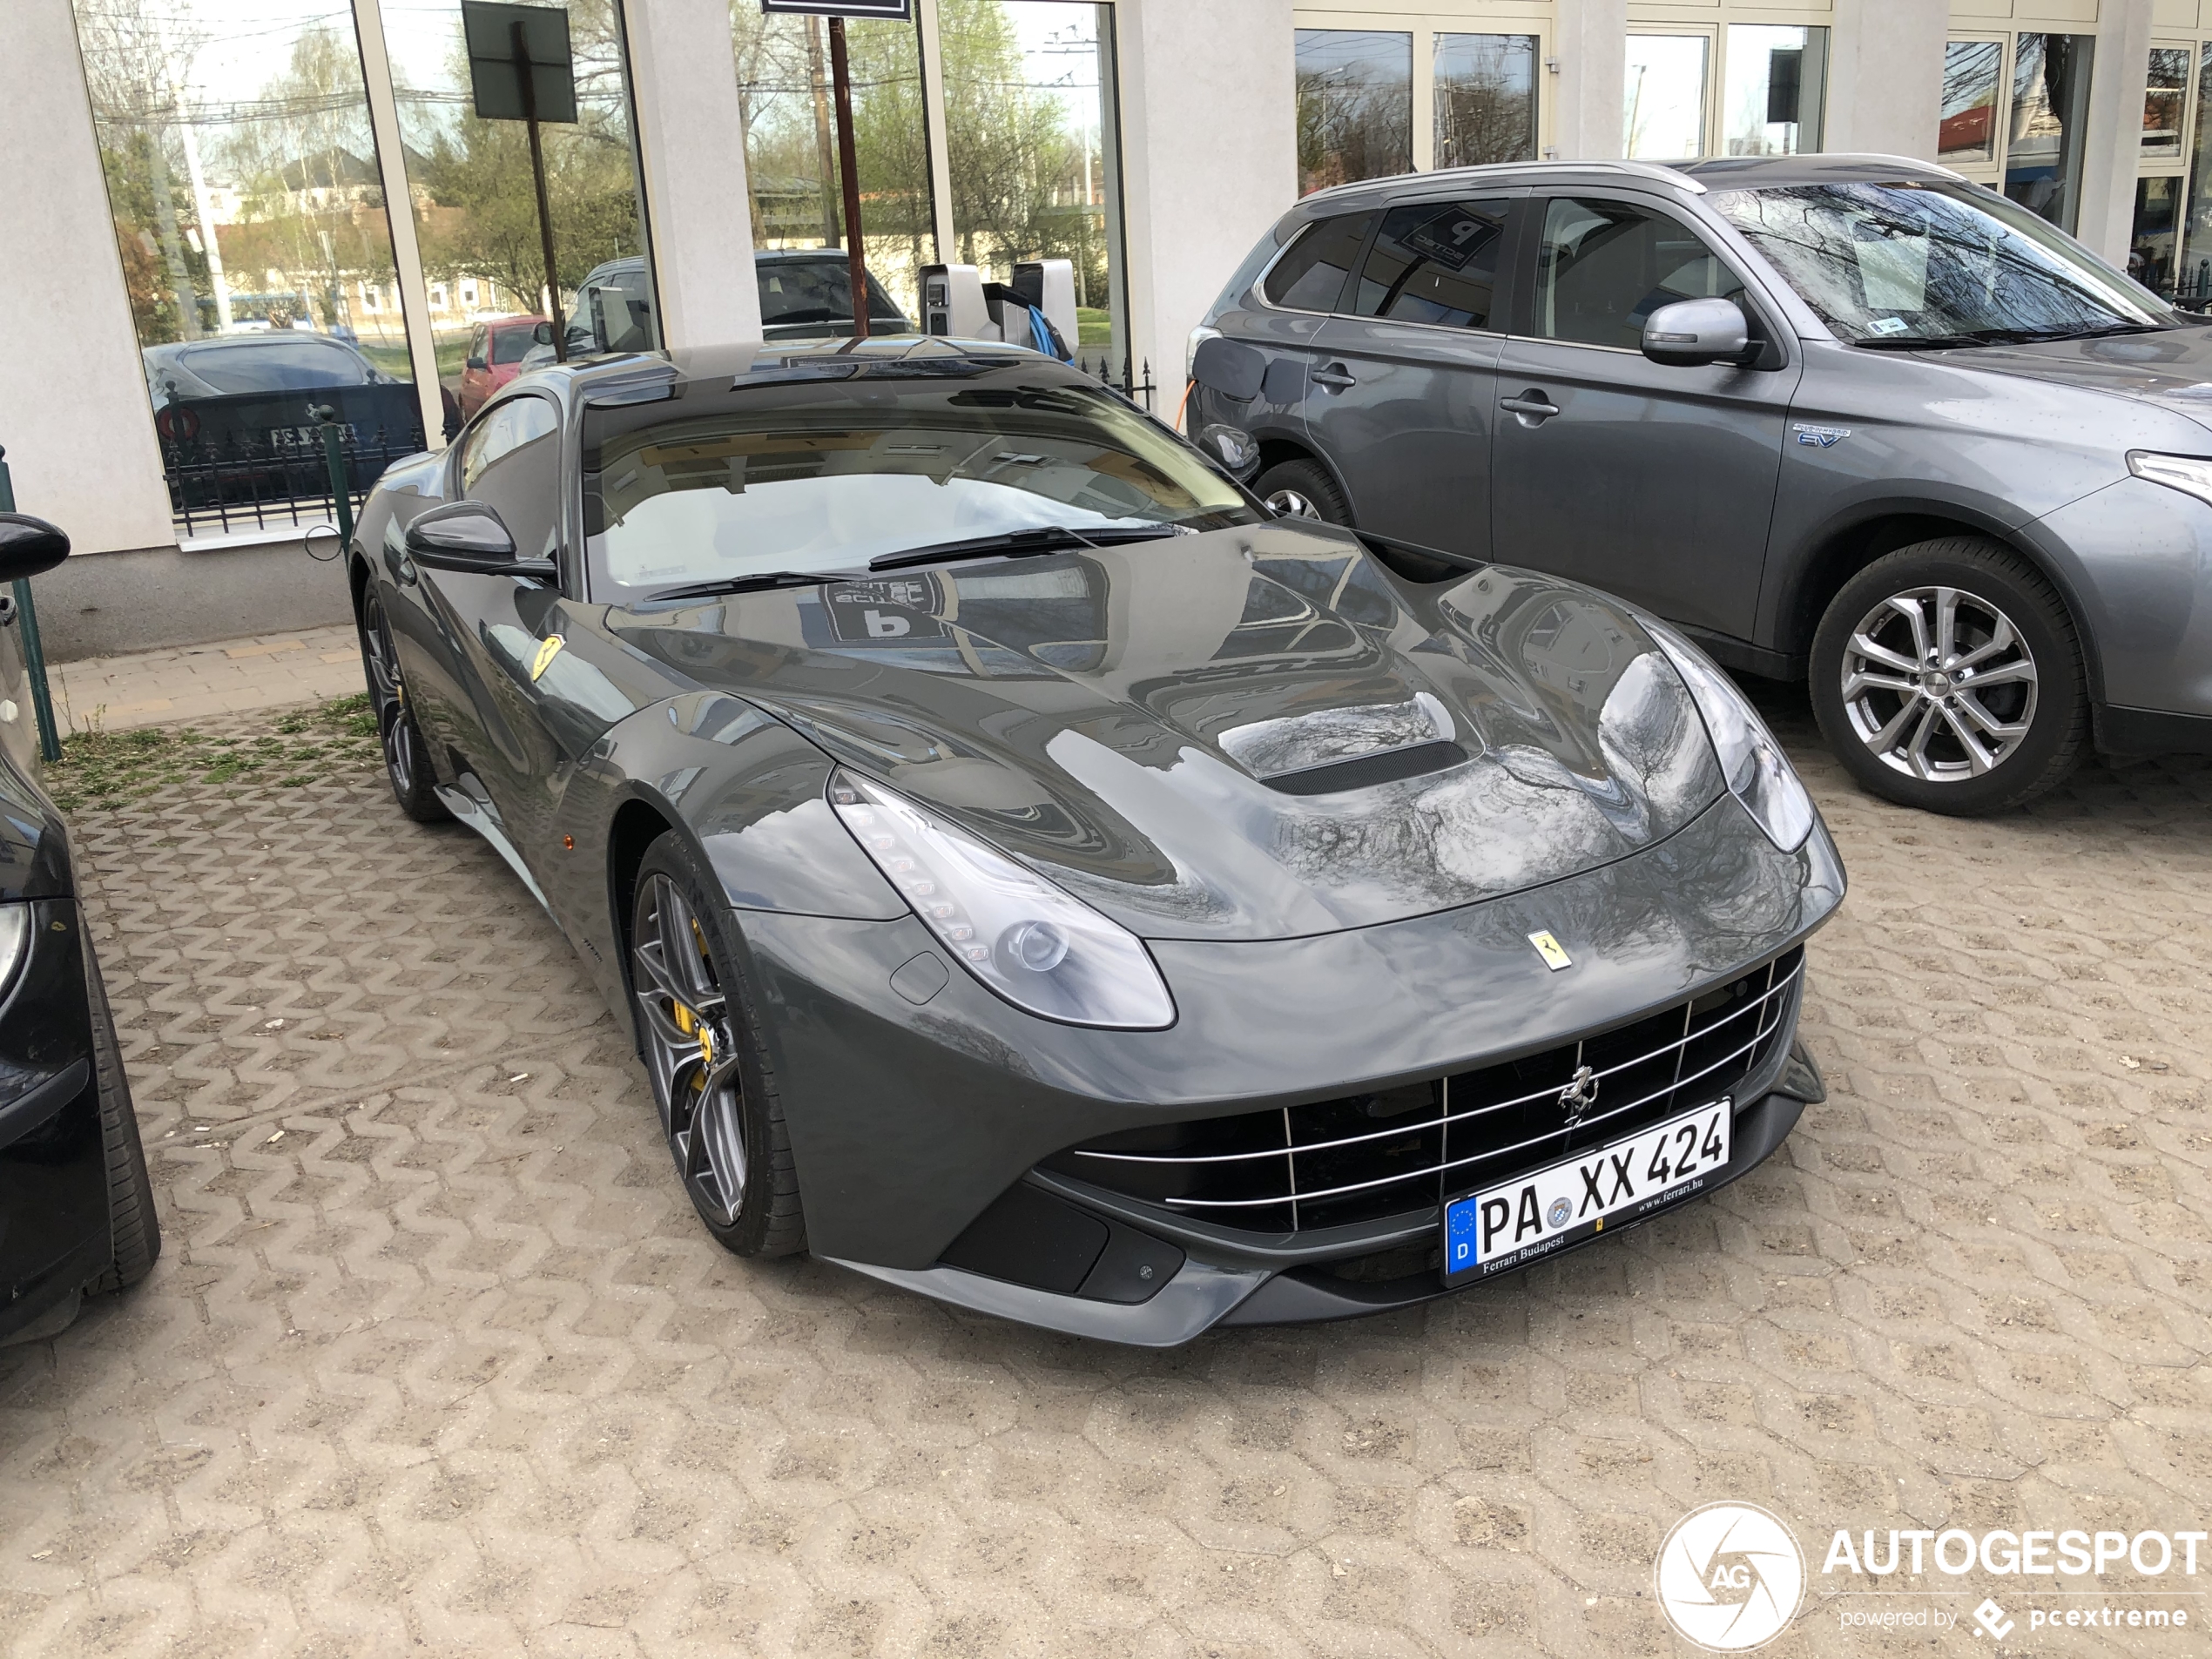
2173 368
1150 726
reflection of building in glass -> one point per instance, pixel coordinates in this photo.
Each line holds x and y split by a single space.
1355 106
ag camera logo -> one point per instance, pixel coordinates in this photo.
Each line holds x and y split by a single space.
1730 1577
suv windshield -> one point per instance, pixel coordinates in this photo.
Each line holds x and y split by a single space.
800 291
1936 261
826 476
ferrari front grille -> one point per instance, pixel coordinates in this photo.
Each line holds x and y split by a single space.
1363 1158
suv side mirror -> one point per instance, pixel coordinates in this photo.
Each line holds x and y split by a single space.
542 334
469 536
29 546
1692 333
473 362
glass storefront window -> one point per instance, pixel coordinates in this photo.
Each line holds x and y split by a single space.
1035 163
2151 248
1355 106
1486 99
1664 97
1967 131
2164 92
475 207
2050 111
785 106
2192 277
1776 82
249 210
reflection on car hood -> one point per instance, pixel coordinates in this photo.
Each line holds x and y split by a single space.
1254 733
2173 367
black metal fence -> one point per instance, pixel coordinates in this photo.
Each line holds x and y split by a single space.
226 482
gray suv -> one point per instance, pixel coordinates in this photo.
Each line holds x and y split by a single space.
1844 418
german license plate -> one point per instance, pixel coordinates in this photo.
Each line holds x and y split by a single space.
1515 1223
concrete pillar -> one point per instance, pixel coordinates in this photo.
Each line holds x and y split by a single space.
1885 77
74 415
2114 144
1209 158
1588 114
685 81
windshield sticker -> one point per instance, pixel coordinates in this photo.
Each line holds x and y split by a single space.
1888 326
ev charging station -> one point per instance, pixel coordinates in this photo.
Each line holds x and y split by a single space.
957 301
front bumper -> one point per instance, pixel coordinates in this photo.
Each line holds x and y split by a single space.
54 1234
908 1123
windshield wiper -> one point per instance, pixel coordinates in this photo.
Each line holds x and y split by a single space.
757 580
1925 342
1042 538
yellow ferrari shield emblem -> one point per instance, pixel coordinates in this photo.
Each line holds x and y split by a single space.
1551 950
546 653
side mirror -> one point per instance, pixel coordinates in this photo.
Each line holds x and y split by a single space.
29 546
469 536
1692 333
473 362
542 334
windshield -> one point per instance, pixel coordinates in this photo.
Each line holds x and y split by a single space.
285 366
1931 262
824 477
794 291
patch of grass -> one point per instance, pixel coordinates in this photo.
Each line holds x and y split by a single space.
107 769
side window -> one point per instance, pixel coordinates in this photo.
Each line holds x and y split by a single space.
1434 262
476 343
622 313
1603 266
1311 276
511 461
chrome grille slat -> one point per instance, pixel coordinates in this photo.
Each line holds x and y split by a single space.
1322 1166
1477 1157
1450 1118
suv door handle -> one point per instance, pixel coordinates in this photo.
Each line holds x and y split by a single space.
1532 406
1336 374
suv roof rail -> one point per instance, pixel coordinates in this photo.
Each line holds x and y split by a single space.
1657 171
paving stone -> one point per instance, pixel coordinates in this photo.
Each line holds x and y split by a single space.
437 1361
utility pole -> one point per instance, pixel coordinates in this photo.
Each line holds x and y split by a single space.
856 260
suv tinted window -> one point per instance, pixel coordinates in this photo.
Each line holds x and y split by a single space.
1311 276
1434 262
1604 267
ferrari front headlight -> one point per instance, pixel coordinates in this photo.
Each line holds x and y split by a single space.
15 939
1040 948
1758 773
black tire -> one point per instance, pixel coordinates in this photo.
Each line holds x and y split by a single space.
1309 482
133 1229
768 1219
1914 746
407 757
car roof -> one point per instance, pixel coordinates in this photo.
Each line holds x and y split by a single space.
614 376
257 341
1688 176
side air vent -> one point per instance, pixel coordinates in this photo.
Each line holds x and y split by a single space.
1365 772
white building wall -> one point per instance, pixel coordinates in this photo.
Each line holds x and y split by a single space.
74 416
1886 77
2112 155
1209 153
1587 122
684 84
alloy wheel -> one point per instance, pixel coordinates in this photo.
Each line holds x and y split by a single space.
1940 684
691 1050
1289 503
394 729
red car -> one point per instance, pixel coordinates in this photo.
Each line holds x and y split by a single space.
495 354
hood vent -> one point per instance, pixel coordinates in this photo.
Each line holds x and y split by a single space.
1365 772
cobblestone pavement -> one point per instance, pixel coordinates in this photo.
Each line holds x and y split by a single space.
204 682
437 1362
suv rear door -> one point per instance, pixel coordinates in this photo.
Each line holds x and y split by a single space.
1654 483
1405 382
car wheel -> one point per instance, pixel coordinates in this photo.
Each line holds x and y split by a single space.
1302 489
133 1229
700 1038
406 758
1947 676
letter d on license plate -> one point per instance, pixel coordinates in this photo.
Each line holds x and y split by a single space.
1518 1221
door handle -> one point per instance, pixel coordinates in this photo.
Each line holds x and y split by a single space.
1532 406
1336 374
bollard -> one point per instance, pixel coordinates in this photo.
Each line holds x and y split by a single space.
342 494
34 654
